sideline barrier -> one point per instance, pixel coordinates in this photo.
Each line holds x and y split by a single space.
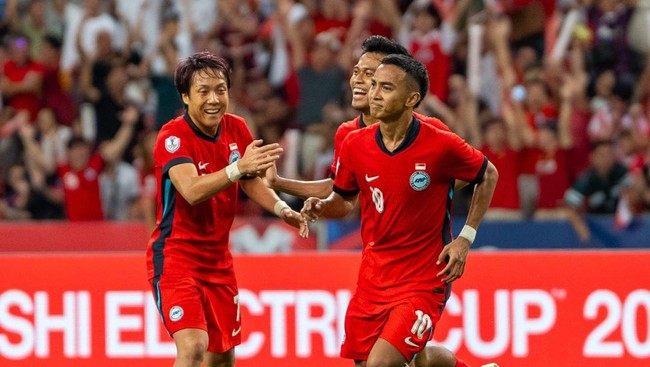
248 235
520 309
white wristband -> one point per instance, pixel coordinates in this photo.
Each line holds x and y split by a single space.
279 206
232 171
468 233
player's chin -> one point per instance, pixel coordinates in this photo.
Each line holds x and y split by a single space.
359 105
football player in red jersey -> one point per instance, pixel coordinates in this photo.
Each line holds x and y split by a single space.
403 182
374 49
198 166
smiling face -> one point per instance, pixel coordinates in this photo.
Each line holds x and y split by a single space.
392 93
362 74
207 99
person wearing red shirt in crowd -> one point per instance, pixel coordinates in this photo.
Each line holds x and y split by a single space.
80 175
538 111
199 166
501 145
407 168
374 49
432 41
555 143
22 78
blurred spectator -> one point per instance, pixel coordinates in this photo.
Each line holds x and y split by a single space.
34 27
552 167
146 206
22 78
80 175
56 96
429 34
14 203
83 26
119 185
598 190
608 21
320 75
172 46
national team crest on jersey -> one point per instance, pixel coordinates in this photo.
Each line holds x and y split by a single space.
172 144
176 313
420 180
234 153
234 156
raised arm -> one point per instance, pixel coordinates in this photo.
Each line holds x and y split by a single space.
299 188
197 188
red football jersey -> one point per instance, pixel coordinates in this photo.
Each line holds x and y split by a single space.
357 123
193 240
405 199
81 190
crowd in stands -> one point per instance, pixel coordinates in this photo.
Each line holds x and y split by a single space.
555 92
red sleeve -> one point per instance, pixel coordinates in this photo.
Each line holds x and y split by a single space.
345 183
465 162
171 148
341 133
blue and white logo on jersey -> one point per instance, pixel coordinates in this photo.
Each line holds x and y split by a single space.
234 156
176 313
420 180
172 144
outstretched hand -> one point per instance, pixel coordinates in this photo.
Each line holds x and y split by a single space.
312 209
294 219
258 157
457 251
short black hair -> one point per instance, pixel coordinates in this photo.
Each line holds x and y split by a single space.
413 68
383 45
189 66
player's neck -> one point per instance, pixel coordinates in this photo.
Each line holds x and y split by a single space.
368 120
394 131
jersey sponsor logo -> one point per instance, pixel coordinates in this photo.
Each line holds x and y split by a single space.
203 165
370 179
233 146
420 166
172 144
408 341
236 331
234 156
176 313
420 180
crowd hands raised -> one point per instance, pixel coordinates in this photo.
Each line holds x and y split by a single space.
555 93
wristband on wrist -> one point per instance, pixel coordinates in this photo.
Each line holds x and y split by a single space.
468 233
232 171
279 206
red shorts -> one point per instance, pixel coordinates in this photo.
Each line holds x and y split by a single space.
186 302
404 324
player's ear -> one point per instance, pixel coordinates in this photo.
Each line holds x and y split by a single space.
186 98
413 99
